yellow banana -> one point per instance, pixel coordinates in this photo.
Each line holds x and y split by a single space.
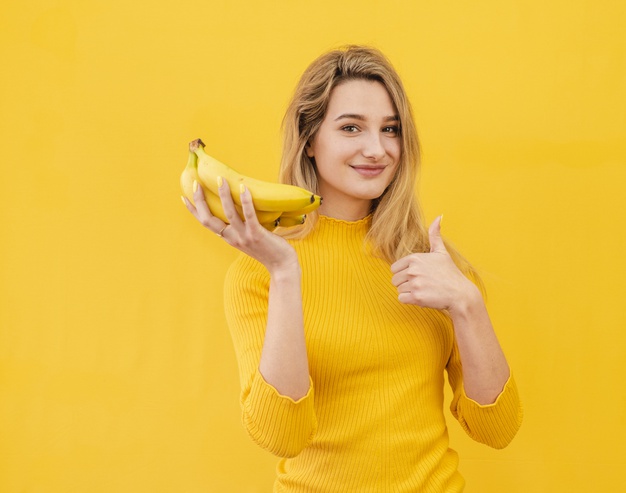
190 173
266 196
288 221
187 177
271 226
304 210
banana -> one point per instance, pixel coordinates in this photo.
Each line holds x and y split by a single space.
271 226
288 221
190 173
266 196
304 210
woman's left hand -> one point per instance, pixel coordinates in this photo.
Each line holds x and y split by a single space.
431 280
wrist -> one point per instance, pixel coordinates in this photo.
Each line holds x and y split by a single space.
467 302
286 270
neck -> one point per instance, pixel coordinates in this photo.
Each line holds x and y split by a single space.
346 211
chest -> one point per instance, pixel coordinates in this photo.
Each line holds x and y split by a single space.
355 325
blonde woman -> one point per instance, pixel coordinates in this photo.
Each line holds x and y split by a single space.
345 328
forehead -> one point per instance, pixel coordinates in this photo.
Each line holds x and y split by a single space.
359 96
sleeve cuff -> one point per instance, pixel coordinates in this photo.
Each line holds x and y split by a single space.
276 422
494 424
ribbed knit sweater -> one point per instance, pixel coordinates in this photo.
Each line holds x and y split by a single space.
373 418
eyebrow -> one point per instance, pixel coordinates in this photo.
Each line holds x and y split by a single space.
354 116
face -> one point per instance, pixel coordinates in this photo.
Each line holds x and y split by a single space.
356 149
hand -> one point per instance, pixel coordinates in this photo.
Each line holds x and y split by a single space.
246 235
431 280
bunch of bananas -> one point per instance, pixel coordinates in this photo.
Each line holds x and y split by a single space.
275 203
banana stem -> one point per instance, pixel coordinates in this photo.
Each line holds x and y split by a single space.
195 144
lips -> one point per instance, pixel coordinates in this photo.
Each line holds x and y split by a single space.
368 171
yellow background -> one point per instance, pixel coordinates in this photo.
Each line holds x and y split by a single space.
117 371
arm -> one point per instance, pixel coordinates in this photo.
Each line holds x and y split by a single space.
479 371
432 280
284 362
268 329
485 369
493 424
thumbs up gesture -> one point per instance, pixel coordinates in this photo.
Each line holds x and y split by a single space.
430 280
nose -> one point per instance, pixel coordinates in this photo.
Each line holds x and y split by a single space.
373 147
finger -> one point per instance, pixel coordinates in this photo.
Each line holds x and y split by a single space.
407 298
247 205
406 287
400 278
202 212
406 262
188 204
230 211
199 200
399 265
434 236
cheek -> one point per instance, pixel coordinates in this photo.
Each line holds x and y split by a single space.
396 149
393 172
333 153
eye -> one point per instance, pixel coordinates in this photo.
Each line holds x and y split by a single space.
350 128
392 129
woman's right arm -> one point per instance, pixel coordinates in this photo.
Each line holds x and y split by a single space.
283 363
281 360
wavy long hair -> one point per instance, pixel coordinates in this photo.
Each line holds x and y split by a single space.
397 225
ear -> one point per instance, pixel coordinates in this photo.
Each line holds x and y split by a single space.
308 148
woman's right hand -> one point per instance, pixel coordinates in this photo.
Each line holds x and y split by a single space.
248 236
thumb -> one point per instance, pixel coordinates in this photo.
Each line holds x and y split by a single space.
434 236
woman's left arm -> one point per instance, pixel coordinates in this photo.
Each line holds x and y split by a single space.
485 369
432 280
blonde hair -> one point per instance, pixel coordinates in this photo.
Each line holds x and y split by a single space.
397 225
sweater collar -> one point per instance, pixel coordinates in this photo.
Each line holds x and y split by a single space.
356 229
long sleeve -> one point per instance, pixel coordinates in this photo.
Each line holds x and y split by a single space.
275 422
492 424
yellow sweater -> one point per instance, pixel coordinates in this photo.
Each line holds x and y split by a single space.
373 418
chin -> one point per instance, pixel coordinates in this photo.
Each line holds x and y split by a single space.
372 194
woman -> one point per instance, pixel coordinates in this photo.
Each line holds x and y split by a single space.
343 330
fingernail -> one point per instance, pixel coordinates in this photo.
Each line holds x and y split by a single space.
440 220
220 182
242 188
183 199
195 186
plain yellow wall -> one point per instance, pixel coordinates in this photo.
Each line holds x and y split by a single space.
117 372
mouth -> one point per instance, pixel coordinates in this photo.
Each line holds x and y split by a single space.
368 170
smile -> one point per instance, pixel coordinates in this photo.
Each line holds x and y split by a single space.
368 171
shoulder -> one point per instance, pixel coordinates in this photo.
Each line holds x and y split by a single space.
246 271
